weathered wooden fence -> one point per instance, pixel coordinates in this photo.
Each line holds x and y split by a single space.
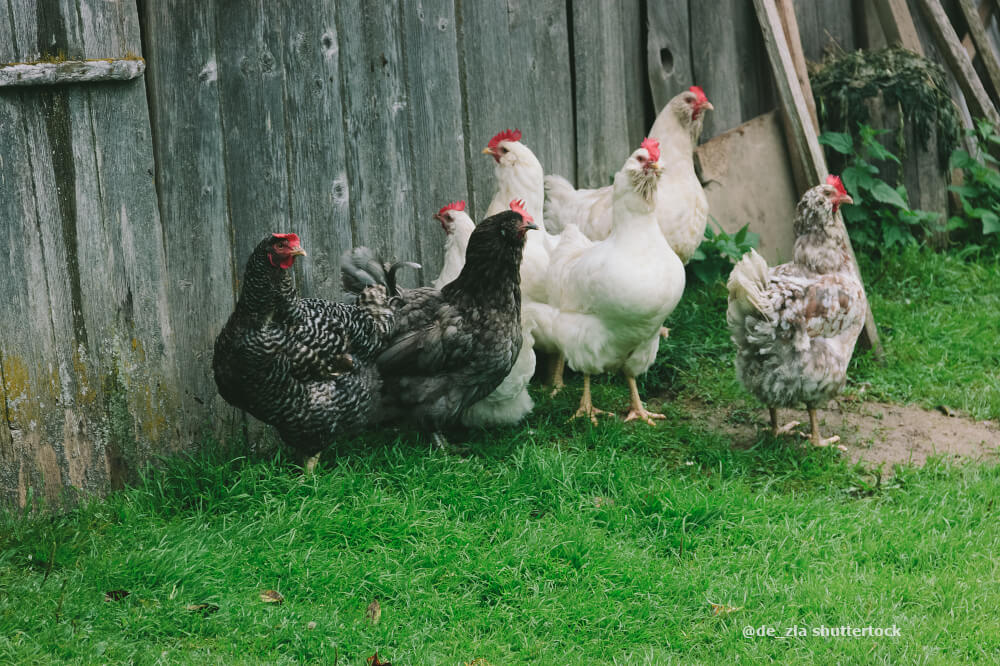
129 208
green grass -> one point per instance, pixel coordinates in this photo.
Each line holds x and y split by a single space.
554 542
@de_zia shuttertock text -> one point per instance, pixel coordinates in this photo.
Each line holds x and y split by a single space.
820 631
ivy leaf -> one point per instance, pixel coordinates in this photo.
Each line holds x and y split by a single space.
885 194
991 223
960 159
855 179
839 141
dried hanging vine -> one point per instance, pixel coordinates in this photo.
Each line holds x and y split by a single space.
910 83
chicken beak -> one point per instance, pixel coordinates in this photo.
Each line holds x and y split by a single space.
529 226
298 252
654 167
487 151
707 106
844 199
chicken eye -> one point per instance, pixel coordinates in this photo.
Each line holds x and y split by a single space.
503 151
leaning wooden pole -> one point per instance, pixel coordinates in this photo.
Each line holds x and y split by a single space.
803 142
70 71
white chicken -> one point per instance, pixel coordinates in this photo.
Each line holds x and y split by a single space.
520 175
608 299
795 325
458 227
681 206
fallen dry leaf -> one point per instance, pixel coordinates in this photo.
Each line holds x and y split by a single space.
271 597
311 626
723 609
374 612
116 595
947 411
375 661
603 501
204 609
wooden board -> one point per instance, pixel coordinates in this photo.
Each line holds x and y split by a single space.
602 141
974 19
516 65
668 50
94 358
71 71
723 41
437 136
193 199
826 26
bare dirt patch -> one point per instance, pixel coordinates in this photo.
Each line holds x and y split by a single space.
873 432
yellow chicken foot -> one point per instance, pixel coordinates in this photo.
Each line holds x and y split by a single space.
586 406
783 430
310 464
816 439
557 375
638 411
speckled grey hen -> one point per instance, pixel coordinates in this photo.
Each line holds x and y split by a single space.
795 325
303 365
451 347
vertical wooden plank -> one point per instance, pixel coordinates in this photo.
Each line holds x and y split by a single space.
373 88
826 26
250 43
318 189
602 140
639 113
897 24
516 74
669 50
437 137
723 40
183 76
794 40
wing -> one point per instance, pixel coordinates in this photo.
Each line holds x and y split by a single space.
426 327
816 306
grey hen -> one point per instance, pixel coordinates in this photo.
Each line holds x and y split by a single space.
451 347
304 365
795 325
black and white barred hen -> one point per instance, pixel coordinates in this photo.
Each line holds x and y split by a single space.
795 325
303 365
451 347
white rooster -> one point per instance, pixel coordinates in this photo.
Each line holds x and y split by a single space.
458 226
608 299
681 207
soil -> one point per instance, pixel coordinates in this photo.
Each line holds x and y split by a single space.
873 432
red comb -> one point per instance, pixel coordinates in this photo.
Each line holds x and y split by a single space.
455 205
291 238
517 205
652 147
837 183
699 94
506 135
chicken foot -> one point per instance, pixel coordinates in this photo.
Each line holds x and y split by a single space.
783 430
638 411
816 439
586 405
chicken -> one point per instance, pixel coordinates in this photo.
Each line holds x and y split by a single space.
608 299
305 366
681 206
510 402
451 347
795 325
520 176
458 226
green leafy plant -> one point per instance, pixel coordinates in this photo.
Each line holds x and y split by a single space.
716 255
909 84
979 193
881 217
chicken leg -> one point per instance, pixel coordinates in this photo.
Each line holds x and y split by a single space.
638 411
586 406
815 438
556 380
783 430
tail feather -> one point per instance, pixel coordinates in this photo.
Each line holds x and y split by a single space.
747 292
559 193
361 267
